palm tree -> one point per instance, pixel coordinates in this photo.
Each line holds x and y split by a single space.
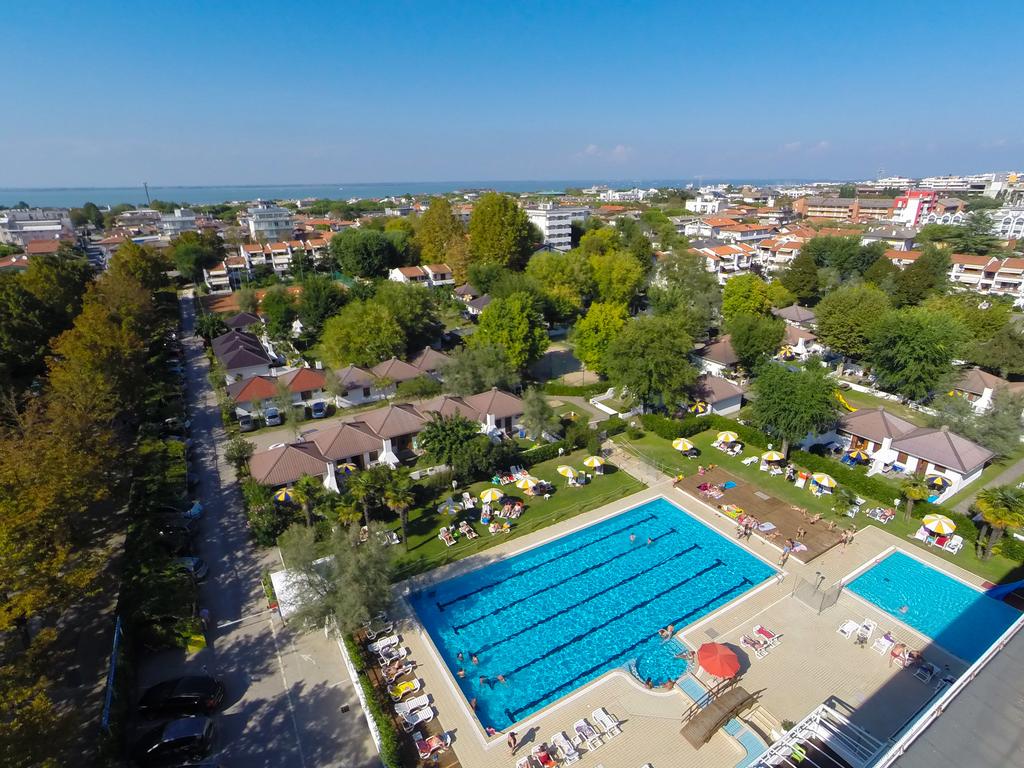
913 489
1001 508
398 497
306 491
362 487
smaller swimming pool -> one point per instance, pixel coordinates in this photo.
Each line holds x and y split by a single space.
957 617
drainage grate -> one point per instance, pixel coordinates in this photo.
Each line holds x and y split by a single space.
345 708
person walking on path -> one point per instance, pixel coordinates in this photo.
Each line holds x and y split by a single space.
204 619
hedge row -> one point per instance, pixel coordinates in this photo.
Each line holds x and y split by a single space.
858 482
568 390
612 426
390 739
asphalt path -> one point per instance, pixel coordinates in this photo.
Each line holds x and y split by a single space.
290 701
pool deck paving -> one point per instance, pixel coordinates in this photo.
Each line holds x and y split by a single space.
811 665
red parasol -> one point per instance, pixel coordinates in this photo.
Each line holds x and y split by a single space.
718 659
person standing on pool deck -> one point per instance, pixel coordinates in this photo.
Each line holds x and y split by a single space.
785 552
513 741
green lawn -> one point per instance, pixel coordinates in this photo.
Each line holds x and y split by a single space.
427 551
864 400
659 452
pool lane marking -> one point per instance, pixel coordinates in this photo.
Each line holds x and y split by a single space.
645 639
502 608
532 568
622 614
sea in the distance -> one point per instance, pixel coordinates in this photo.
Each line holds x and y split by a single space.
69 197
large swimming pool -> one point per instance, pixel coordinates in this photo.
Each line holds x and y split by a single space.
954 615
559 615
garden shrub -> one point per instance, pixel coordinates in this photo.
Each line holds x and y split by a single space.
567 390
1010 548
851 479
390 740
542 453
634 433
612 426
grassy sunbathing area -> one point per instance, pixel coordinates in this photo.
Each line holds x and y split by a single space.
658 452
427 551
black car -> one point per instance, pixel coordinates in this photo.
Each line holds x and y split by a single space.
190 695
176 742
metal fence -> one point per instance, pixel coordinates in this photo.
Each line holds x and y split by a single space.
811 593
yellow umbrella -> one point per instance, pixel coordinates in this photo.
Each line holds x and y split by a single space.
593 462
284 496
939 524
491 494
347 468
566 471
728 437
858 455
772 456
938 482
527 483
682 444
449 507
823 480
700 407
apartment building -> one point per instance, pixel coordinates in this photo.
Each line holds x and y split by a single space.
726 261
555 223
981 274
431 275
776 253
853 209
181 220
709 226
268 222
21 226
708 204
746 233
910 208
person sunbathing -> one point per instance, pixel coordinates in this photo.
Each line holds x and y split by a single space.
544 758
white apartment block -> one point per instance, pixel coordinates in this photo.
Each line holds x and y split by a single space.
182 220
22 226
635 195
707 204
985 275
268 222
555 223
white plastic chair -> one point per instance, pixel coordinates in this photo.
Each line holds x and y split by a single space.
847 628
606 722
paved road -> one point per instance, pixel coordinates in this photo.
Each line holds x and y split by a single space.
286 692
1009 476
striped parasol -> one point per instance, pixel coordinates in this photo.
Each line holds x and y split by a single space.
939 524
700 408
772 456
593 462
284 496
682 444
858 455
491 494
566 471
527 483
728 437
825 481
347 468
938 482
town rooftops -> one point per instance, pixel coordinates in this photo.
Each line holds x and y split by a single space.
793 335
497 403
720 352
354 377
480 302
875 424
395 370
304 379
971 260
287 463
895 255
253 389
394 420
944 448
449 405
892 233
412 271
714 389
976 381
429 360
43 247
794 313
467 290
239 349
345 440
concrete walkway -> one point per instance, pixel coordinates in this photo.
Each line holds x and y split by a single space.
1009 476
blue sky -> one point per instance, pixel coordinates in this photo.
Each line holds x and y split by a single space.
267 92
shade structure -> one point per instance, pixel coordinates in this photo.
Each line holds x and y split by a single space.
566 471
938 482
700 408
449 507
826 481
682 444
772 456
284 496
718 660
728 437
347 468
491 494
593 462
939 524
527 483
787 352
858 455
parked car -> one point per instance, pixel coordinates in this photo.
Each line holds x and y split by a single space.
272 416
195 567
175 742
180 696
319 409
246 423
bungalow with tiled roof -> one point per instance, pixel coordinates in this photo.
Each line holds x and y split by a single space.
720 395
717 357
896 445
251 396
410 275
242 355
355 386
439 274
430 361
285 464
978 387
797 315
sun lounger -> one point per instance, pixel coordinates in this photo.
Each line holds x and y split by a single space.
446 536
771 638
417 718
926 672
399 691
866 631
759 647
526 762
883 644
566 751
403 708
405 669
392 653
749 460
427 747
587 733
468 502
606 722
922 534
541 754
955 544
385 642
847 628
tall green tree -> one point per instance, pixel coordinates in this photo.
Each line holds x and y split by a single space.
913 489
801 277
192 252
595 331
478 368
848 316
682 282
913 349
618 276
362 333
981 317
792 404
538 415
569 276
442 436
363 252
926 276
247 300
415 310
399 498
499 231
998 428
649 359
147 265
755 338
745 295
974 235
438 230
516 326
321 298
278 307
1004 352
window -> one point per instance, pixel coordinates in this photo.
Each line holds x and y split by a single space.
366 391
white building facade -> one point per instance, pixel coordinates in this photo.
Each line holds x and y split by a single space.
555 223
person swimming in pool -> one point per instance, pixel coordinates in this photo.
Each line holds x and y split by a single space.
667 632
461 672
474 659
632 537
904 608
501 679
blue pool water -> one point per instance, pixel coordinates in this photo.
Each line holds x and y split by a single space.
560 615
957 617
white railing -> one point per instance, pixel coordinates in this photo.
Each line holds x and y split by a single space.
851 742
